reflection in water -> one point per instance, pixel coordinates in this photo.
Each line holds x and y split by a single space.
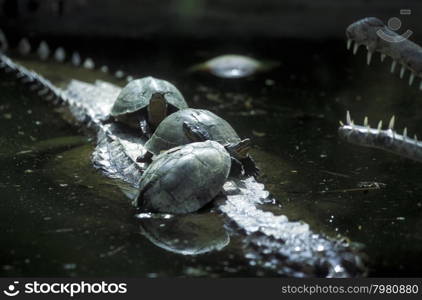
190 234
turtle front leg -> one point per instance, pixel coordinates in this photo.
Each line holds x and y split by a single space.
145 158
236 168
250 167
240 152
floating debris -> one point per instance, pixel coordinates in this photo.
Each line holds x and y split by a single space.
335 174
7 116
70 266
371 185
269 82
258 134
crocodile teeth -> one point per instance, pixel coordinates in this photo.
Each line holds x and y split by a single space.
76 59
129 78
355 48
368 57
43 50
379 127
383 56
404 133
411 78
415 138
402 70
89 63
393 66
349 44
4 45
60 54
391 124
348 118
365 122
341 123
24 47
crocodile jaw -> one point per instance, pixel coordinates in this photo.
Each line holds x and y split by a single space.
376 37
384 139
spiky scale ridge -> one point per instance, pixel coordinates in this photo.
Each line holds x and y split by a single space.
60 54
43 51
75 59
24 47
89 63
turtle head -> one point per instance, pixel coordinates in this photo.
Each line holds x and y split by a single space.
157 109
195 133
239 150
158 97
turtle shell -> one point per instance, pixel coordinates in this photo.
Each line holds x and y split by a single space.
184 179
170 132
137 94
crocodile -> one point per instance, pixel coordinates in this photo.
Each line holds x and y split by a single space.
269 240
377 37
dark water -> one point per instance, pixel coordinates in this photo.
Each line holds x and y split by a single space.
59 217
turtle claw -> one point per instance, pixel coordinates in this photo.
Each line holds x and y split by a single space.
145 158
250 167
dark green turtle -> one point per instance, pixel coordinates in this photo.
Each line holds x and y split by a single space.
146 102
184 179
194 125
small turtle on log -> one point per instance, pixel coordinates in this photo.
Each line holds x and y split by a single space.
146 102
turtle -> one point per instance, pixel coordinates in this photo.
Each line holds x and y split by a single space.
145 102
233 66
194 125
184 179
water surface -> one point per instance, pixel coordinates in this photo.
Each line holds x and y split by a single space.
60 217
